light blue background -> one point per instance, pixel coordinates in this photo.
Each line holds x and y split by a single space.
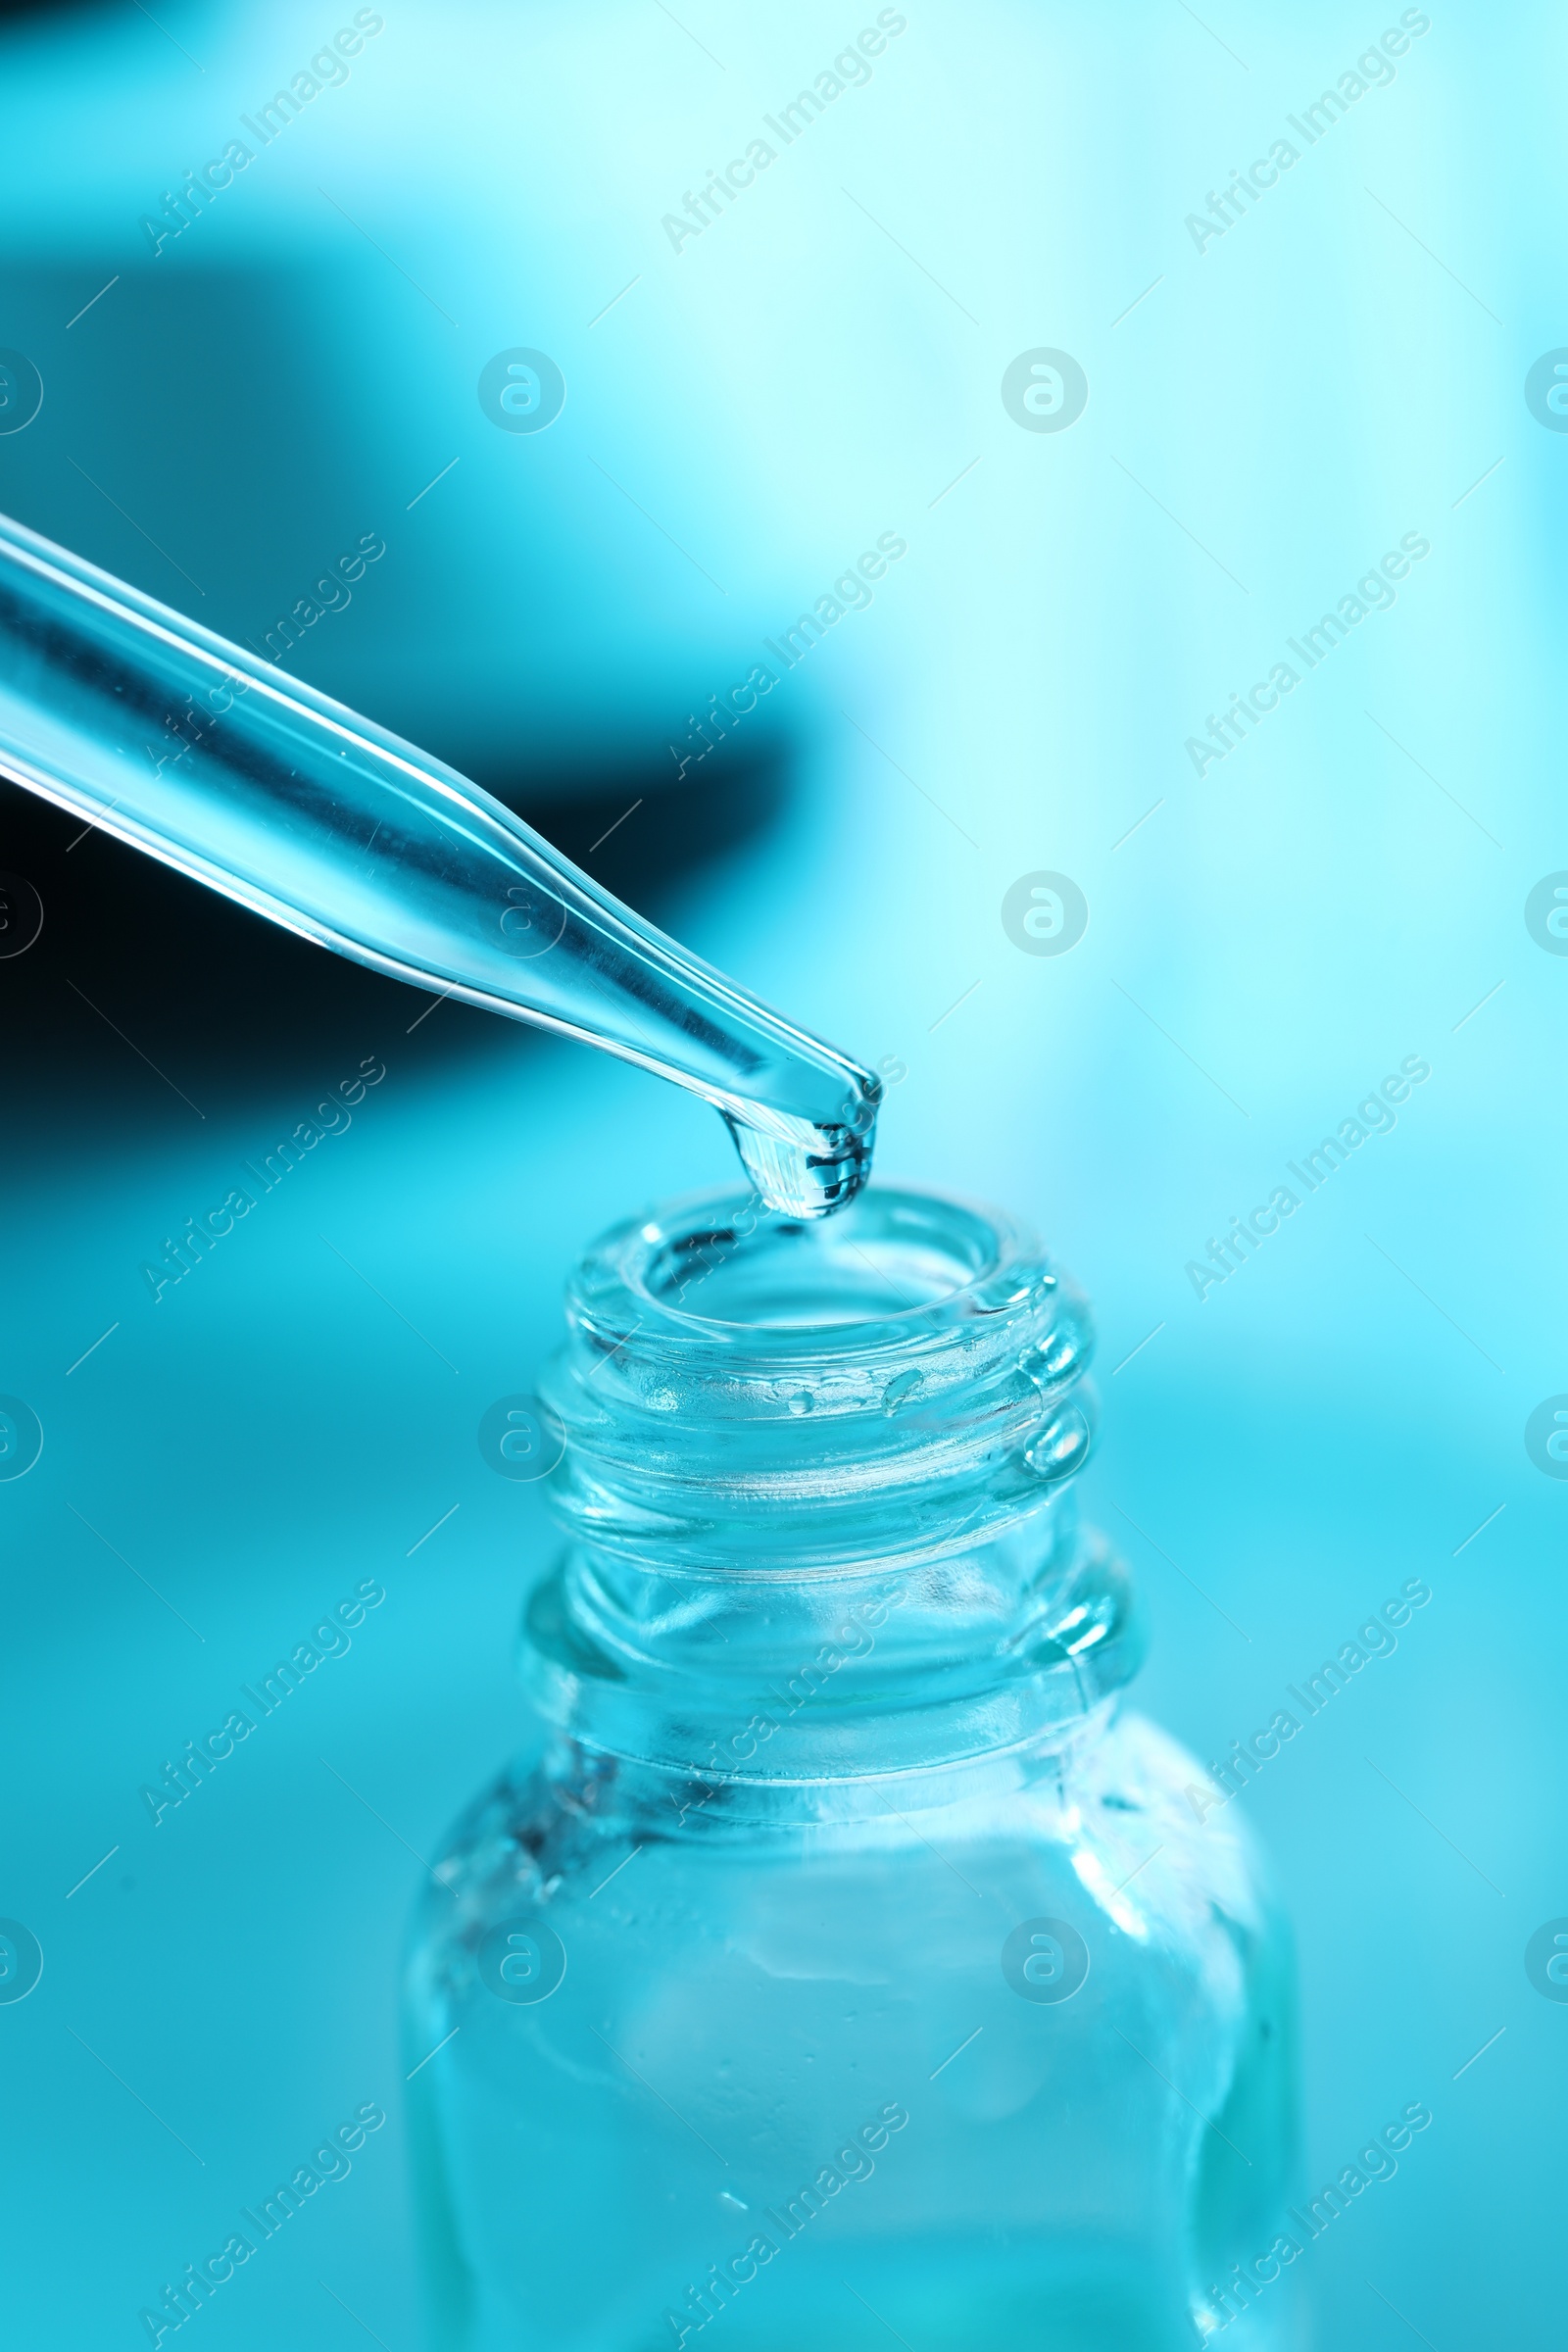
1340 368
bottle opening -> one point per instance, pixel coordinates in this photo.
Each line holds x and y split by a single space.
886 1255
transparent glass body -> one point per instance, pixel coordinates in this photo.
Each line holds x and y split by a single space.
844 1962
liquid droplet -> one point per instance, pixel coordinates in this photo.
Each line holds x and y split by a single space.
813 1173
1061 1447
902 1386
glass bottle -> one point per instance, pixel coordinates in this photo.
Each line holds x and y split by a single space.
846 1961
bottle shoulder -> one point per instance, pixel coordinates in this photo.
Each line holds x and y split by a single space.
1115 1831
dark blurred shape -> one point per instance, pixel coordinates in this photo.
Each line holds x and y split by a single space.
144 986
149 392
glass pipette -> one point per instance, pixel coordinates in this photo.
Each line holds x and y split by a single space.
168 736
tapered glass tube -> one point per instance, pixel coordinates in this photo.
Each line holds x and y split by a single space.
174 740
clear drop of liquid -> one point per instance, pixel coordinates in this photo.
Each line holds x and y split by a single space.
809 1177
1061 1447
902 1386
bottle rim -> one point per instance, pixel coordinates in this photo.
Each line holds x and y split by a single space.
719 1272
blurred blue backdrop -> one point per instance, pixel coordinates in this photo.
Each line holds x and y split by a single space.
1274 401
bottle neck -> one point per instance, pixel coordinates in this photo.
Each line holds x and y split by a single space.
808 1556
1008 1650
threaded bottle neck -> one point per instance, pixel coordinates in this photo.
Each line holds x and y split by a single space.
816 1478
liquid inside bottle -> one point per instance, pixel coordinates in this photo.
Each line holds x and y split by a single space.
842 1960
